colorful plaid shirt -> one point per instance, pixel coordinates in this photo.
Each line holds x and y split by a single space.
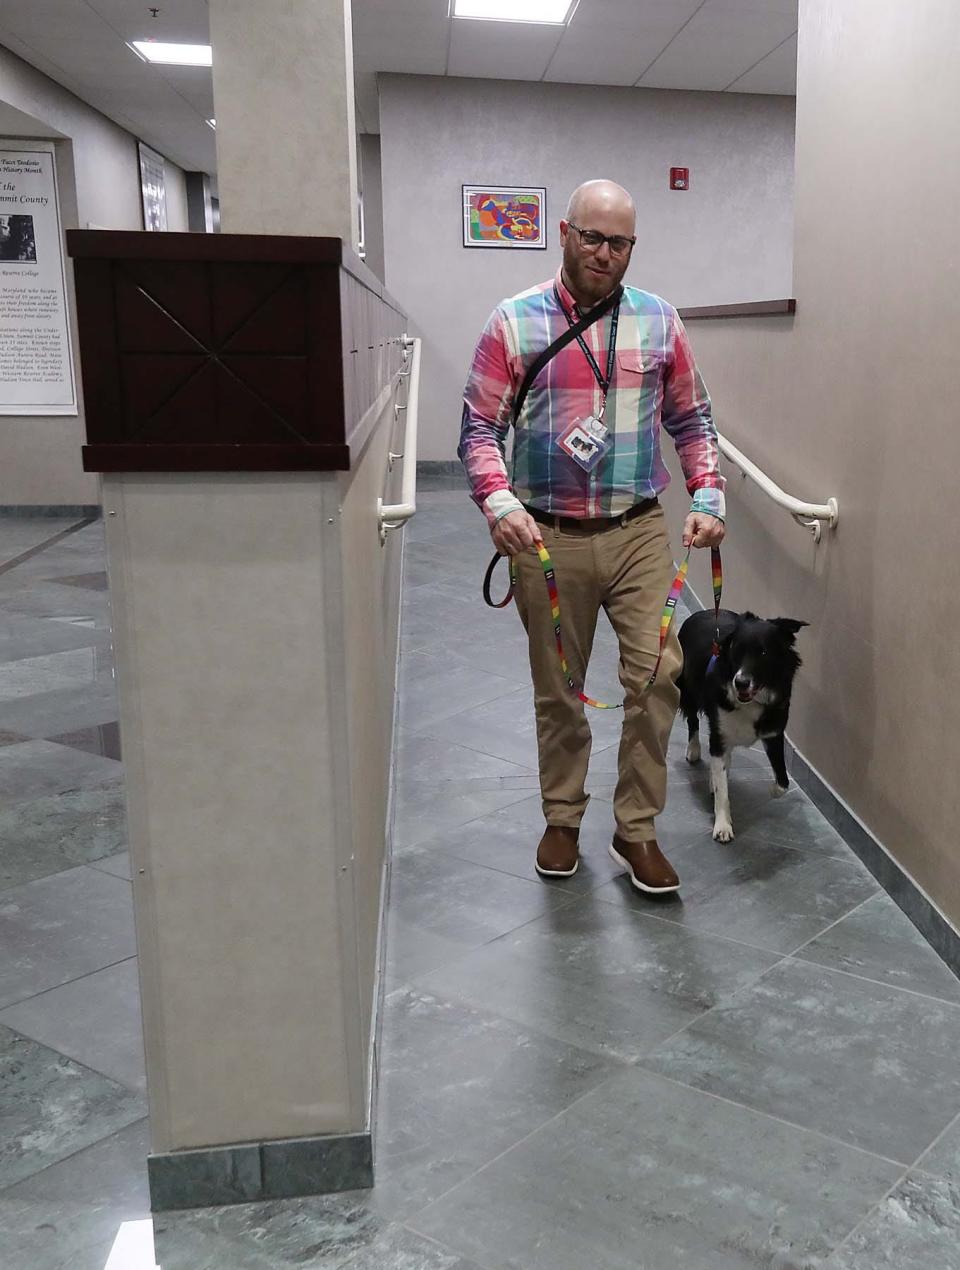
655 383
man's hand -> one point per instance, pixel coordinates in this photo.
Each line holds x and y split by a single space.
702 530
515 532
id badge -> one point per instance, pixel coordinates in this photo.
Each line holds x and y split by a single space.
586 441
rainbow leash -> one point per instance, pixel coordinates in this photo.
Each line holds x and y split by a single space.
716 570
666 617
554 597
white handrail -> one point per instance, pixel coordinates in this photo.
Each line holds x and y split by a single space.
810 515
395 515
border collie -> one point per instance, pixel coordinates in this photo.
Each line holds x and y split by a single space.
745 694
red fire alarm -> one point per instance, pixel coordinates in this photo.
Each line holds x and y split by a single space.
679 178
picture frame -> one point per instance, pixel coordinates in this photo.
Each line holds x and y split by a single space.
153 189
511 217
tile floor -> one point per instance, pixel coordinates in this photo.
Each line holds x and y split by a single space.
760 1074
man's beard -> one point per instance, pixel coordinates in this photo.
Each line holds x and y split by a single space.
589 287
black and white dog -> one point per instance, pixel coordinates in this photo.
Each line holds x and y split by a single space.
745 694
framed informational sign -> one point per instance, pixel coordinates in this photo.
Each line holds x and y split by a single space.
504 216
153 188
36 355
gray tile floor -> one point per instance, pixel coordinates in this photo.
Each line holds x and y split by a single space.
760 1074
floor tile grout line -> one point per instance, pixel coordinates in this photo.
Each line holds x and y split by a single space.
783 959
803 1129
470 949
419 731
910 1168
918 1162
739 943
848 856
640 1065
98 865
874 1208
68 982
580 895
829 928
609 1056
880 983
7 565
79 1151
720 1004
399 853
439 1244
617 1072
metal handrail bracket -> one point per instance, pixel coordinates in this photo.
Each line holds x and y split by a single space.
395 515
810 515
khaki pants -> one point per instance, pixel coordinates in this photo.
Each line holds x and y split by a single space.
625 569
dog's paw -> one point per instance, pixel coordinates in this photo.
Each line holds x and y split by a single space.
778 791
722 830
693 750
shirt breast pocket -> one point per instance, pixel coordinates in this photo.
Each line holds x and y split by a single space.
636 364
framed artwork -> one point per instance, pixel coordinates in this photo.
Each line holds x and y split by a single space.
508 216
153 188
36 351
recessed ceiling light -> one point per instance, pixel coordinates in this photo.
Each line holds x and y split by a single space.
173 54
554 12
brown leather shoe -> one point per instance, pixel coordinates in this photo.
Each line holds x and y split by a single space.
649 868
558 855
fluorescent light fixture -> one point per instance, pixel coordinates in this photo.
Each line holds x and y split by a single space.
211 123
173 54
554 12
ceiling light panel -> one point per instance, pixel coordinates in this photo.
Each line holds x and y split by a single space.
173 54
554 12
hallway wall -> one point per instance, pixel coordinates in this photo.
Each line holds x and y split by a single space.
728 238
98 178
370 186
855 398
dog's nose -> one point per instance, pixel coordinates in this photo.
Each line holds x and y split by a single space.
742 682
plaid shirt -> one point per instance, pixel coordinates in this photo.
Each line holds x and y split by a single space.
655 381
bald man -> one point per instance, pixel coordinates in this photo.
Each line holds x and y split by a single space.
587 473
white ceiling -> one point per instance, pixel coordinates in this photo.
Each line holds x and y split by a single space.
720 45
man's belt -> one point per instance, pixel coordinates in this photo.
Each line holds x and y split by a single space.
591 524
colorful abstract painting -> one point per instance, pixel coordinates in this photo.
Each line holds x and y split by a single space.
504 216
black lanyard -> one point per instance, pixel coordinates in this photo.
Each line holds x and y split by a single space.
603 380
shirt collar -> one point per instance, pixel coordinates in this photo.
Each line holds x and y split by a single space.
566 299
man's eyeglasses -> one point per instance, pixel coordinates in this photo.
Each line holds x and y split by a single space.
592 239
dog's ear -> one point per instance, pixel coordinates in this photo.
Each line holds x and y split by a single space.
788 627
747 616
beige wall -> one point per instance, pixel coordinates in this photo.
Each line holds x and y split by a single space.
856 398
727 238
370 184
99 182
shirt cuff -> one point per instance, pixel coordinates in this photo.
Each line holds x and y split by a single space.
499 504
710 501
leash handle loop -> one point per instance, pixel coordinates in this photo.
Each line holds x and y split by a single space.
488 578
